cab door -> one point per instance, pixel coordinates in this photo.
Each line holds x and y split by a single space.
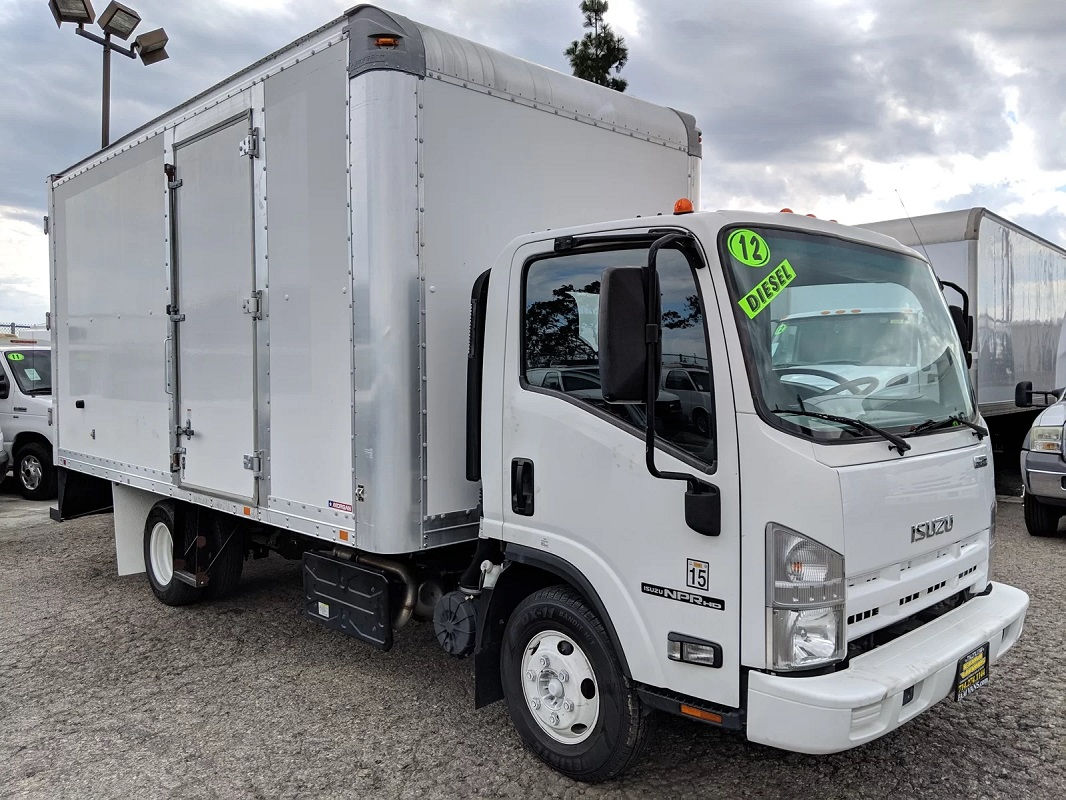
588 497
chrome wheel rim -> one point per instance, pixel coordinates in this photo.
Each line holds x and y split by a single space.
31 472
560 687
161 553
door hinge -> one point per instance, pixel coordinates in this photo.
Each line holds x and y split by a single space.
173 181
175 458
254 462
46 225
250 144
254 304
172 312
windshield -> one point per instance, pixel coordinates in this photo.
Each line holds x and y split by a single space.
835 327
32 370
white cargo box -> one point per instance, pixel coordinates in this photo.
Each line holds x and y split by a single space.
261 299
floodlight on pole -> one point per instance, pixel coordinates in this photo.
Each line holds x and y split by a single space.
80 12
117 20
152 46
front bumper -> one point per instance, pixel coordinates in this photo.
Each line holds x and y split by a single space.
834 712
1043 475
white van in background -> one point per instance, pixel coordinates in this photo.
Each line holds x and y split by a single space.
25 416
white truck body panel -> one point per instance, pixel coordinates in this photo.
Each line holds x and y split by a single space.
1017 293
392 186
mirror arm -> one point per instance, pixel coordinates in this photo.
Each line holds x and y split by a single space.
653 343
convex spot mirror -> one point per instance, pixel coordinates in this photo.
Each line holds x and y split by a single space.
622 330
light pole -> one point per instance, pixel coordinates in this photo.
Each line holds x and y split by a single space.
116 20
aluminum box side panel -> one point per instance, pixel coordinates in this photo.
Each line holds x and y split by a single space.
1020 308
111 292
309 297
495 169
383 152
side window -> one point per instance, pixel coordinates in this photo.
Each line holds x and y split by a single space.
561 348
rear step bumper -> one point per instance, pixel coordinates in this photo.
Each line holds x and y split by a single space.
834 712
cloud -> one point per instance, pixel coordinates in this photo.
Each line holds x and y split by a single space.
830 106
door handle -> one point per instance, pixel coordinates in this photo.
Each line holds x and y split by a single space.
522 486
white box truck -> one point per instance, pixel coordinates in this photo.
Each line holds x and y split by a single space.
1014 281
288 319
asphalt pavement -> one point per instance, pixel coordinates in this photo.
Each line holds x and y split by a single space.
106 693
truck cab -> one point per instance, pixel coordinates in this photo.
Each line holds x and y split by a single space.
25 415
811 568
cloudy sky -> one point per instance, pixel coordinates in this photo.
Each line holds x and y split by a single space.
841 108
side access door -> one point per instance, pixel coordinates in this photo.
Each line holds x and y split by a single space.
576 488
215 307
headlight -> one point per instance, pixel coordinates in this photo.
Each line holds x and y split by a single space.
805 596
1046 439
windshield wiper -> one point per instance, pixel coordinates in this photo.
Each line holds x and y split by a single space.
895 442
951 421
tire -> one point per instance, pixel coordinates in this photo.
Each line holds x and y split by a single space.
600 725
701 422
34 472
225 573
1040 518
160 532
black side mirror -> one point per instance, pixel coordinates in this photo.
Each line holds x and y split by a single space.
4 388
703 508
964 327
1023 394
622 329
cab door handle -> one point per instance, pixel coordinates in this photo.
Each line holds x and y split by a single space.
522 486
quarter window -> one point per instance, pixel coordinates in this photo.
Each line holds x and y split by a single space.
561 348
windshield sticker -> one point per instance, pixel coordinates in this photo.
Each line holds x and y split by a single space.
15 356
767 289
780 329
32 374
749 248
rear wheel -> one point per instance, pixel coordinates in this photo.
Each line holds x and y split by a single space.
34 472
701 421
160 533
565 690
1041 519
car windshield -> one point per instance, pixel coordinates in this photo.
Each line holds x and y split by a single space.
32 370
845 329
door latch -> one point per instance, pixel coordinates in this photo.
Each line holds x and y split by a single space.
172 313
186 431
173 182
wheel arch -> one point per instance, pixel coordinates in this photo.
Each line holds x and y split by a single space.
528 571
23 438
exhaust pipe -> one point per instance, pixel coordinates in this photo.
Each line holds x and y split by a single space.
397 568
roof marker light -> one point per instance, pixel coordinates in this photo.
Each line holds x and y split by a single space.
683 206
386 41
785 211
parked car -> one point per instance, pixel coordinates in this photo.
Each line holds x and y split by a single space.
25 411
692 385
1042 462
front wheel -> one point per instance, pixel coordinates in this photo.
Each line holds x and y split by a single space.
1040 518
565 691
34 471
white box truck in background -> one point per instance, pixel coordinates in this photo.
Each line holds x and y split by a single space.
288 319
1017 295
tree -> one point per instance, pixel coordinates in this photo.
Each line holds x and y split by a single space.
599 52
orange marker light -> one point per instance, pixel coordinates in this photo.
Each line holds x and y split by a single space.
386 41
699 713
785 211
683 206
247 511
343 535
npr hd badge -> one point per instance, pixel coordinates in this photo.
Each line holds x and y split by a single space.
681 596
